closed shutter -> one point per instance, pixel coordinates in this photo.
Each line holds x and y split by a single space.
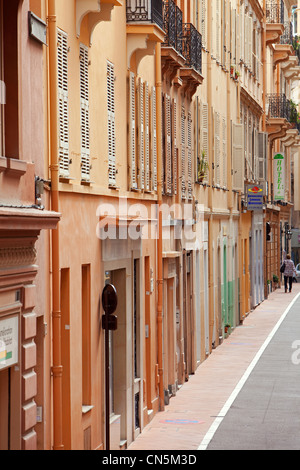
131 133
183 150
238 160
147 138
174 142
217 172
233 36
218 30
224 151
204 134
111 124
203 23
189 154
255 155
262 156
168 146
153 141
63 104
141 135
85 113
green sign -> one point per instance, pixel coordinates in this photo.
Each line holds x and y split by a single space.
279 176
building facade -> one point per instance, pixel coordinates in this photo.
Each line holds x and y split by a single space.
148 124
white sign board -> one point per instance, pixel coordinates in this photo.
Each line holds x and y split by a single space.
9 342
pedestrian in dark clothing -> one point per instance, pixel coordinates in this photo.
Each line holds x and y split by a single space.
289 273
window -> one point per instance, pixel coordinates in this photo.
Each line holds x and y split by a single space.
86 334
132 136
2 89
85 113
111 125
63 100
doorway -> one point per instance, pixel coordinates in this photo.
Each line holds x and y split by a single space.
5 385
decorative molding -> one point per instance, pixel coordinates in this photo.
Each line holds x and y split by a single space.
17 256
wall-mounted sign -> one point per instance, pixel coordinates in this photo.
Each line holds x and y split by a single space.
279 177
37 28
255 197
9 342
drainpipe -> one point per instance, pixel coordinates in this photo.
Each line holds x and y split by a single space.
158 80
54 169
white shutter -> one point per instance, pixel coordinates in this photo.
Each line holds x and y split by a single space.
141 135
168 146
255 155
233 36
85 113
189 155
132 135
63 103
147 138
111 124
183 143
218 30
238 160
153 140
203 22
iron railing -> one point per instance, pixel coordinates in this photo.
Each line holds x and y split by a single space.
145 11
192 47
275 11
281 107
296 46
173 26
287 37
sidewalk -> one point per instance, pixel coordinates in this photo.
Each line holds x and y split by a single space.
193 415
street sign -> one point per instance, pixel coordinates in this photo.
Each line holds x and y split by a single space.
255 197
279 177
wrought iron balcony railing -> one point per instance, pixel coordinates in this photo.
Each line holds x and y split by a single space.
296 46
192 47
287 37
145 11
173 26
275 11
281 107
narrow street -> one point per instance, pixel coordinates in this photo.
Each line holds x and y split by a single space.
245 396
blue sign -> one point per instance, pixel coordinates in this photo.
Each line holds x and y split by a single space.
255 197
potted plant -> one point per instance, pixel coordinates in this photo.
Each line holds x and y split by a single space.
236 74
231 70
275 280
202 167
227 327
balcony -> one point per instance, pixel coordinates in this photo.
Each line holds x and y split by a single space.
281 114
145 27
172 47
284 50
191 73
275 21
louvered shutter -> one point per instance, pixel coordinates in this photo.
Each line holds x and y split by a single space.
85 113
174 142
132 135
189 155
224 151
204 133
147 138
217 171
141 135
111 124
233 36
203 22
63 103
168 146
153 140
238 161
183 150
255 155
218 30
262 156
228 33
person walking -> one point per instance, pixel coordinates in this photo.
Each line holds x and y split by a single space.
289 273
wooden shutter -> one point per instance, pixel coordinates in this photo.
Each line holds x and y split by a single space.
218 30
153 141
174 143
262 156
203 23
111 124
85 113
224 151
141 135
238 160
255 155
183 151
147 137
217 160
131 133
63 103
189 155
233 36
168 146
204 133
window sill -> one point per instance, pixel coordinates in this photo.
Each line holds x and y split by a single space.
13 167
3 164
86 409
